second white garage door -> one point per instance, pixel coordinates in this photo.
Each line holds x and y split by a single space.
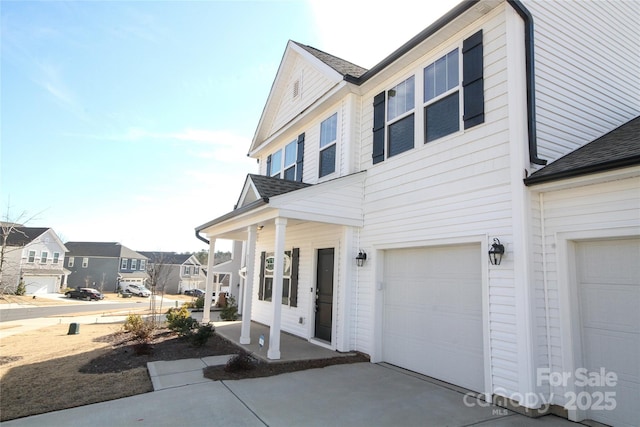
432 316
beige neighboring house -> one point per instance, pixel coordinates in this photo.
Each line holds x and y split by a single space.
179 271
34 255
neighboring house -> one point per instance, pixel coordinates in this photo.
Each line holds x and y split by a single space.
104 265
177 272
34 255
418 166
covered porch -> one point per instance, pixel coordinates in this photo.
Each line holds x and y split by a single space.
267 208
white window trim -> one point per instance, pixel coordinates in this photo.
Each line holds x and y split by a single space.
124 263
85 262
406 113
71 261
279 173
286 165
143 264
56 257
29 256
331 144
44 254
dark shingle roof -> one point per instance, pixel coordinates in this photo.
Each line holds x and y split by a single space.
100 249
340 65
20 236
165 257
269 186
616 149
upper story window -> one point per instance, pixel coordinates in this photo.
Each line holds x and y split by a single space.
123 263
32 256
442 97
134 264
453 95
400 117
196 269
56 257
143 264
187 270
85 262
290 156
43 257
290 166
328 138
71 261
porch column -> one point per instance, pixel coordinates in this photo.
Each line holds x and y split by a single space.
276 296
208 293
250 260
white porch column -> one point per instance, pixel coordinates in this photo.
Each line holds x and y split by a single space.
276 296
208 293
250 259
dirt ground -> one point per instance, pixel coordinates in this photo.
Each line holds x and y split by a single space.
47 370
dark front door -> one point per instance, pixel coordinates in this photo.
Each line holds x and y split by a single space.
324 294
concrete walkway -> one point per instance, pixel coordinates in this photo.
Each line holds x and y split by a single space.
361 394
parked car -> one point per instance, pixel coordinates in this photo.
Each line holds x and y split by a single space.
138 290
194 292
84 293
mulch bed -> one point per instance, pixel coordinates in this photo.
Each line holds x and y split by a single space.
167 346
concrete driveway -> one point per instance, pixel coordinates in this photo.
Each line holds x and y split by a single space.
361 394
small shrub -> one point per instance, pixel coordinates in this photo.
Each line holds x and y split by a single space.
199 303
141 329
21 289
179 321
230 312
200 336
242 361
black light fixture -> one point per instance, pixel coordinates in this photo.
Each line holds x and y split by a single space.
361 258
496 252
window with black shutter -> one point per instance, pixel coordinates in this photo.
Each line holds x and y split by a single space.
442 97
378 127
300 158
289 277
473 80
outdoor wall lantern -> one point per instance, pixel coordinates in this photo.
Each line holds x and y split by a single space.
361 258
496 252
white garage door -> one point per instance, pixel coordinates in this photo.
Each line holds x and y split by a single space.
608 275
40 284
432 316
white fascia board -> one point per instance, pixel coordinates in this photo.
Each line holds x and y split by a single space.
590 179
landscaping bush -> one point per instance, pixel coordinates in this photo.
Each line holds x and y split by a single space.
199 303
230 312
242 361
179 321
141 329
21 289
200 336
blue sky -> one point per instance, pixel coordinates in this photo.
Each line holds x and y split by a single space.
130 121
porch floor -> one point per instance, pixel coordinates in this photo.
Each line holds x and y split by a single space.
292 348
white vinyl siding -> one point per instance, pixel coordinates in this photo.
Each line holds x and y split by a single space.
586 52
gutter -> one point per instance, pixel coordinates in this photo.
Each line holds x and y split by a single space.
200 237
585 170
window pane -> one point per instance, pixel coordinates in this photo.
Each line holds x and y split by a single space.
452 69
400 98
328 130
276 163
285 291
442 117
401 136
429 82
290 174
441 75
268 288
290 152
328 161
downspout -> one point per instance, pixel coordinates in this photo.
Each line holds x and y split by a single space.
200 237
545 281
530 77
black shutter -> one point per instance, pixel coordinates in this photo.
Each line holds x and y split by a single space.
293 293
263 255
269 165
378 128
300 159
473 80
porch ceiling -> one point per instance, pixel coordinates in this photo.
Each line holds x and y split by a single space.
337 201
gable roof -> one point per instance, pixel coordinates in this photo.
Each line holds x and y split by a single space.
101 249
270 186
166 257
338 64
616 149
21 236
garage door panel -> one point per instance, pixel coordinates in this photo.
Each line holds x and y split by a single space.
432 319
608 281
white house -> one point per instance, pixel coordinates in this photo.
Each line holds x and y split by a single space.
35 256
490 130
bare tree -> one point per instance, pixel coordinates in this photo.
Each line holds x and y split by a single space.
9 226
158 271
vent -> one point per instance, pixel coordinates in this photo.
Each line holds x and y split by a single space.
296 88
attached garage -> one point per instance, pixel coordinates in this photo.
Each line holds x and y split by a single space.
432 313
41 284
608 294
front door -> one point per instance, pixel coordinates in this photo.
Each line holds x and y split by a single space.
324 294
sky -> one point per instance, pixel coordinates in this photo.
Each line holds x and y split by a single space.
130 121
